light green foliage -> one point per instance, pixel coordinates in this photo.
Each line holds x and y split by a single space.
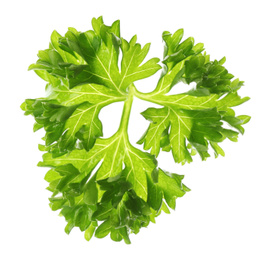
107 185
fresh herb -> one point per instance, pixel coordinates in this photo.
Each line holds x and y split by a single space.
107 185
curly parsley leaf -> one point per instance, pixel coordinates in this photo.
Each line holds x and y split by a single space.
192 121
100 50
106 185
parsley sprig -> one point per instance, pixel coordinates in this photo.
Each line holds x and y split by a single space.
107 185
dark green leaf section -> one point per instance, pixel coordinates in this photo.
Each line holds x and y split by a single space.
70 118
176 51
210 75
110 205
191 122
51 116
186 62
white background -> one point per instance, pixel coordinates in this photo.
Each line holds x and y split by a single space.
227 215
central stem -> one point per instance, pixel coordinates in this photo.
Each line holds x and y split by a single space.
123 127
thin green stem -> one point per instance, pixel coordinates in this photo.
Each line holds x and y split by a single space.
150 97
143 96
123 127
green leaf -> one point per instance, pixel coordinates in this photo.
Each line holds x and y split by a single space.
90 231
196 127
194 117
113 152
103 229
155 194
100 50
90 196
171 186
71 115
131 68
